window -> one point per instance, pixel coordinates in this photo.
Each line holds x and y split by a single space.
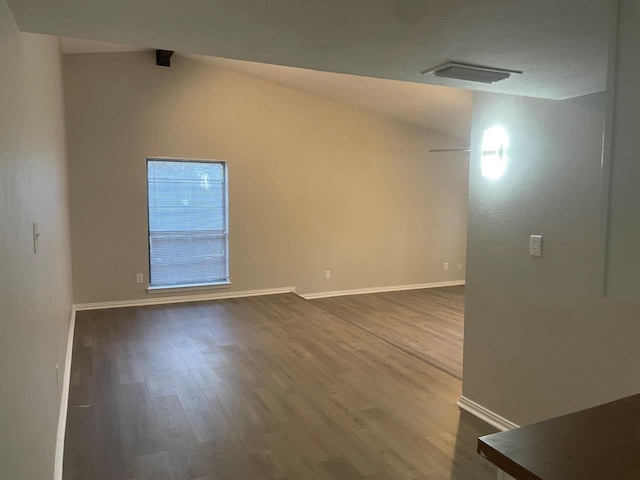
188 238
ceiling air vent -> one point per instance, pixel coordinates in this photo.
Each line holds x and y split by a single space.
471 73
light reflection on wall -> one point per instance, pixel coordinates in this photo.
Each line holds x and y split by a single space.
495 143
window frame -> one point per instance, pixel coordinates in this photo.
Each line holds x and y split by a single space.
192 286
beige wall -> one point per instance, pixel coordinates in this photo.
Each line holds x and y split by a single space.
540 339
314 185
623 235
35 289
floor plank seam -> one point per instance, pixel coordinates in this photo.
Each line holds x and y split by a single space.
386 340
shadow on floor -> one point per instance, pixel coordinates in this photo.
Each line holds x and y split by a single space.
467 464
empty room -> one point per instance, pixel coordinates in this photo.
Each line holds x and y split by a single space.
341 240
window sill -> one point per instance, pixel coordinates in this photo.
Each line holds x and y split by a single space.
188 288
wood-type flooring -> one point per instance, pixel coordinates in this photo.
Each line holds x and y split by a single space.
271 387
426 323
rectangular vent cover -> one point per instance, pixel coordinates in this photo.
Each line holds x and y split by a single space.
471 73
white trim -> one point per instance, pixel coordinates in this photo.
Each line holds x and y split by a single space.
396 288
185 159
182 298
151 290
64 402
486 415
226 213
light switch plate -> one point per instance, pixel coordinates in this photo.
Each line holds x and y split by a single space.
535 246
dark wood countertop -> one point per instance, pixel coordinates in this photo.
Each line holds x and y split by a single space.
601 443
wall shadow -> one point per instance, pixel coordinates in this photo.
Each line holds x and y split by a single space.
467 464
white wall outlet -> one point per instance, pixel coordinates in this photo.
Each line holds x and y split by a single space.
327 274
535 246
459 266
446 265
139 278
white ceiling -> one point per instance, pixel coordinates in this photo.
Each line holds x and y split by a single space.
443 109
561 45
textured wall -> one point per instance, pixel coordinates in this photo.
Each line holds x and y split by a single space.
35 289
314 185
540 340
623 237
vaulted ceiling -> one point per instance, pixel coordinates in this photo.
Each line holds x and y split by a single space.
561 45
443 109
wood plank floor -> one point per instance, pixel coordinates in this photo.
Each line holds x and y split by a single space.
426 323
258 388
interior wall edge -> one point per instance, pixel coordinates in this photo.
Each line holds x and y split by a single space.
64 401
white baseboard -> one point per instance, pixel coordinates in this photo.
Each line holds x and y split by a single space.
396 288
486 415
64 402
182 298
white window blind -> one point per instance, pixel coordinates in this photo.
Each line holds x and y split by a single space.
187 222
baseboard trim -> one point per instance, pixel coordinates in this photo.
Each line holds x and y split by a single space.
182 298
486 415
64 402
395 288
